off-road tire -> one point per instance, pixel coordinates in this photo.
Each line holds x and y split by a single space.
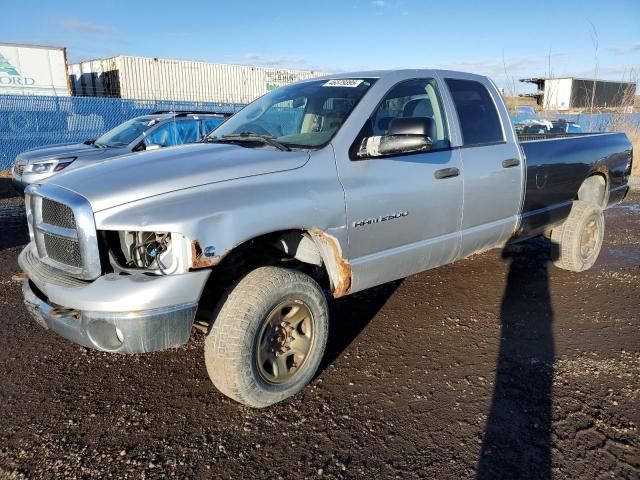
567 238
231 347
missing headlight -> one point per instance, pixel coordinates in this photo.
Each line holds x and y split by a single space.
157 253
147 249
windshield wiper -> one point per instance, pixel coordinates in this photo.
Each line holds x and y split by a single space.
249 137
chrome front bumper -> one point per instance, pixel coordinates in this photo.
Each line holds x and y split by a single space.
123 314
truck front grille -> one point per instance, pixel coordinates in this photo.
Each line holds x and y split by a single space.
19 166
57 214
62 226
63 250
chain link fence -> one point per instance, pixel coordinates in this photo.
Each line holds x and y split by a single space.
28 121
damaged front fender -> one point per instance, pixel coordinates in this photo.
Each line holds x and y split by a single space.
338 268
204 258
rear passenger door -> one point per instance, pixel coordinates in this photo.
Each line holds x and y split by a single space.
493 171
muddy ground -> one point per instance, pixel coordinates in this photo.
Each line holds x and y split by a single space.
498 366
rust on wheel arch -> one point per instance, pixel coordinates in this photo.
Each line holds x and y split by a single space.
200 260
338 268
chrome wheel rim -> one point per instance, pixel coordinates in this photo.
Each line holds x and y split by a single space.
285 340
589 238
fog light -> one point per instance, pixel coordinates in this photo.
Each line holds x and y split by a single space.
105 335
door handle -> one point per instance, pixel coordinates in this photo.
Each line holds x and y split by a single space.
446 173
510 162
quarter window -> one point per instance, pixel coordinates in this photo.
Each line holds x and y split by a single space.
477 114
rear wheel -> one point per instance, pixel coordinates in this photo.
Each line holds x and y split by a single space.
268 337
579 239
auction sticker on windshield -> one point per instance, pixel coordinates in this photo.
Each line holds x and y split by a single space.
343 82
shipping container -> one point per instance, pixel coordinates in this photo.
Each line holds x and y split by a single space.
163 79
33 70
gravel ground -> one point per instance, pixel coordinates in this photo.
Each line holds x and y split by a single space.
498 366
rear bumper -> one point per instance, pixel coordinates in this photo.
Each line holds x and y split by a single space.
115 313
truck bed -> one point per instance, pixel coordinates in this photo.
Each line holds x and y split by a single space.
556 166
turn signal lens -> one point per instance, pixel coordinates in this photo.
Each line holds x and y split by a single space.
60 166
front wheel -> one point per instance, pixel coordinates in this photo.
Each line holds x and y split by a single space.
268 338
579 239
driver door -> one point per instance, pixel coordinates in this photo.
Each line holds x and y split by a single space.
404 211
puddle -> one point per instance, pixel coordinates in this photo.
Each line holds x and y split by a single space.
612 258
633 209
12 214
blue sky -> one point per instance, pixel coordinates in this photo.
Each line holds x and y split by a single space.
504 39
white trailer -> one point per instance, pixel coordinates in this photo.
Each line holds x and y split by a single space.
557 94
181 80
33 70
583 93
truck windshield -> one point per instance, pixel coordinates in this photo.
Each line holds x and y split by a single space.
301 115
126 132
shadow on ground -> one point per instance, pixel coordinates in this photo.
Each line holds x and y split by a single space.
13 227
517 436
349 317
6 189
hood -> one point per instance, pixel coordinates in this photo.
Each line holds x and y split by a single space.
58 151
125 179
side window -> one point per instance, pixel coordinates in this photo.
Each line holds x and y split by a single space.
479 120
186 131
410 99
164 135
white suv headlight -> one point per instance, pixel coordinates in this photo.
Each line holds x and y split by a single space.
42 167
52 165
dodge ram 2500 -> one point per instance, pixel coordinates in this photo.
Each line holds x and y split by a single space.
323 187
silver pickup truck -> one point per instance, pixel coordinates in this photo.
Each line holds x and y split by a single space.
321 188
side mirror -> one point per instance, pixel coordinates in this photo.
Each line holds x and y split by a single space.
151 146
405 135
382 146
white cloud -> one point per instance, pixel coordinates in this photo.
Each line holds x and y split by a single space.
81 26
280 61
625 49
